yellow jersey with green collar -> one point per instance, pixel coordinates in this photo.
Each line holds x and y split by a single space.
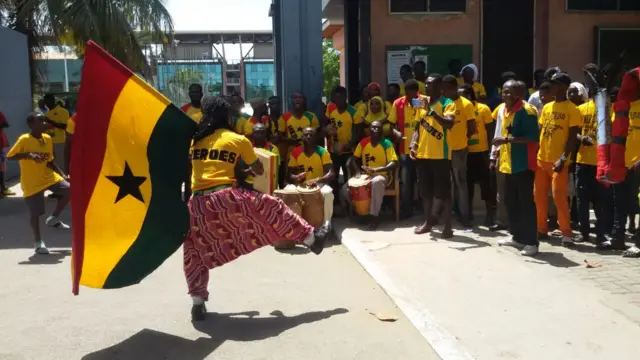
292 126
345 122
479 141
376 156
312 165
465 112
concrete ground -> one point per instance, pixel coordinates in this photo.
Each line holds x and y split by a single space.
472 299
267 305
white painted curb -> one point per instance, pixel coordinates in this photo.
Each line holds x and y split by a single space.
444 344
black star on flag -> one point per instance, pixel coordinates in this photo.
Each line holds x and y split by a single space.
310 169
128 184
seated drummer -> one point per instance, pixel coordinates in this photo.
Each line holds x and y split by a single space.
310 165
376 157
258 138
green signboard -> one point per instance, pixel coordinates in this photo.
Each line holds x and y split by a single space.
436 57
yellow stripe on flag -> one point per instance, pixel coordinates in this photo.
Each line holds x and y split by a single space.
114 229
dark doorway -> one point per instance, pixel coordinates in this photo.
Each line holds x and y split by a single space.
507 40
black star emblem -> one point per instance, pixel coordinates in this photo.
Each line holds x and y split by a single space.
339 123
300 128
310 169
128 184
372 159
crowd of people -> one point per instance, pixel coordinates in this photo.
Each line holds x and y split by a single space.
533 155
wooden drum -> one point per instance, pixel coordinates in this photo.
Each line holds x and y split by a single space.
293 200
313 205
360 191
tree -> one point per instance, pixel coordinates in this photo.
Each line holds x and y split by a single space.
330 67
178 85
113 24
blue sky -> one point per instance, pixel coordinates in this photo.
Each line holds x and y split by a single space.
220 14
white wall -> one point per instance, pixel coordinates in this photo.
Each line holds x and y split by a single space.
15 89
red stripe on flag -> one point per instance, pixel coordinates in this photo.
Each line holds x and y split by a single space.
103 78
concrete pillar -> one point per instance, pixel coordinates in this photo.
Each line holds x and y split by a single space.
298 33
352 49
365 42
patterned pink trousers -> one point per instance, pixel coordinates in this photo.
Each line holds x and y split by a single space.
229 223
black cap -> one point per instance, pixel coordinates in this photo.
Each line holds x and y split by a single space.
561 78
548 74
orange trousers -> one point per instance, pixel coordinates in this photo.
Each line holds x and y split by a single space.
559 183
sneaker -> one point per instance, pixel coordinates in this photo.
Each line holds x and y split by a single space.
198 312
567 241
529 250
633 252
53 221
320 234
41 248
582 238
603 244
511 242
7 192
497 227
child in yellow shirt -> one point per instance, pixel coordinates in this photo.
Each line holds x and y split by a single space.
39 173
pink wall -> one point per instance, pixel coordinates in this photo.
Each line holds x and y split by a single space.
571 35
387 29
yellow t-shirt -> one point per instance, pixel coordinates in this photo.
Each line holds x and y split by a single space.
371 117
345 122
479 89
421 88
251 122
465 112
404 115
238 122
59 115
555 120
434 141
71 125
312 165
215 158
35 177
588 155
376 156
632 152
479 141
193 112
292 127
360 106
387 106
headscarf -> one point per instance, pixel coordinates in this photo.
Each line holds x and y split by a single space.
582 91
378 116
472 67
375 85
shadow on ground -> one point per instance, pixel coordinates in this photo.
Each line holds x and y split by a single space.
154 345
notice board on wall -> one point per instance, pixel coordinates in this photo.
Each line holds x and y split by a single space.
436 57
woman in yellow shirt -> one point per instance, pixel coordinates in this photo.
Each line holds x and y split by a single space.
377 112
228 222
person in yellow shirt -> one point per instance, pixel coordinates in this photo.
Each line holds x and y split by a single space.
406 74
292 124
238 118
559 123
260 112
377 112
57 118
39 173
228 222
465 125
589 189
420 71
431 147
375 157
361 105
310 165
393 93
513 155
71 128
469 75
193 107
403 115
344 129
478 158
258 137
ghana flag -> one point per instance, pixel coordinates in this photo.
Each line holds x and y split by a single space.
128 163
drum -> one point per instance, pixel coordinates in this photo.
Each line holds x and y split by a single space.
360 191
293 200
313 205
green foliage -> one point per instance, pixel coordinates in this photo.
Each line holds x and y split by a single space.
261 91
330 67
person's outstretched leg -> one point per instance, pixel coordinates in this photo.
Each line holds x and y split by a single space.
35 203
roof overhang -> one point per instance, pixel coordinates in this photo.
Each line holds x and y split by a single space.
333 15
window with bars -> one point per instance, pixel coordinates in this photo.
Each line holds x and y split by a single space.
603 5
427 6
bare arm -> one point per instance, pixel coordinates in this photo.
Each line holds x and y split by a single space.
257 168
67 153
52 165
491 130
329 174
390 166
446 122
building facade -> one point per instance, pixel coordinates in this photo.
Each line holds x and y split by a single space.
376 36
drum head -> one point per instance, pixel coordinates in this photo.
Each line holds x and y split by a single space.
286 191
360 180
308 190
